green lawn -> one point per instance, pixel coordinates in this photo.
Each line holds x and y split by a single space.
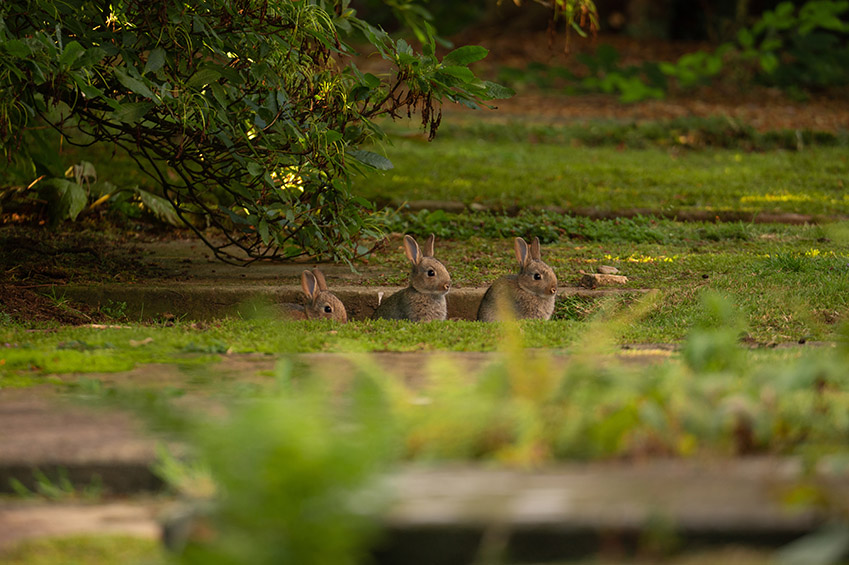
518 171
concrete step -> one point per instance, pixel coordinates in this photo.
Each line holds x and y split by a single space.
207 300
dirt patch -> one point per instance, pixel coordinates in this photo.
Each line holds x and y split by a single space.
762 107
23 304
37 255
35 262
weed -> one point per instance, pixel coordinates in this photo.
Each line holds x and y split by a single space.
58 487
58 299
115 310
787 262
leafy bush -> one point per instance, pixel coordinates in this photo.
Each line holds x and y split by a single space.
250 115
795 49
804 48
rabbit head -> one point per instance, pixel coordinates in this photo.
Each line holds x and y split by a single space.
428 275
535 276
322 303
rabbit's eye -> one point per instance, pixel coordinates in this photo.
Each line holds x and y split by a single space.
431 273
537 277
327 308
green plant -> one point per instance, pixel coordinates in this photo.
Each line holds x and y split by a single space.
251 117
632 83
294 474
57 488
803 48
117 310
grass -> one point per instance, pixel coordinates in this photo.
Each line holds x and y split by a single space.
85 550
32 358
507 172
792 282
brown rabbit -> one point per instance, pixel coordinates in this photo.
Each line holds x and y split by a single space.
424 298
322 304
530 294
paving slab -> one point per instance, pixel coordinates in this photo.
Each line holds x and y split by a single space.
21 521
40 432
460 515
452 515
192 284
206 300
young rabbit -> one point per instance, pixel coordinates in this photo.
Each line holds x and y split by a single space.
322 304
530 294
424 297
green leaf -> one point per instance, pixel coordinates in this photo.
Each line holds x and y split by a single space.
465 55
498 91
406 59
132 112
462 73
71 53
91 56
155 60
133 84
262 228
404 47
16 48
254 168
379 162
769 62
88 90
229 74
159 207
203 77
745 38
69 199
371 81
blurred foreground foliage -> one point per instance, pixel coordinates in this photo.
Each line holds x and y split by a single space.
316 448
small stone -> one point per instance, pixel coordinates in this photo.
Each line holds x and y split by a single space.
596 280
608 270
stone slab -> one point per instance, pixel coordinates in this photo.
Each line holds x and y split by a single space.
207 300
21 521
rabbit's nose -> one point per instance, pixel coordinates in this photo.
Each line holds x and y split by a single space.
446 286
553 290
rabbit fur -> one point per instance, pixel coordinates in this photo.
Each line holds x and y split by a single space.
530 294
424 298
321 303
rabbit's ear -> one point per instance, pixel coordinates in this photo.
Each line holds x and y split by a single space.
319 277
535 250
309 284
411 248
521 248
428 247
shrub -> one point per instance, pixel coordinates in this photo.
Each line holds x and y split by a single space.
248 116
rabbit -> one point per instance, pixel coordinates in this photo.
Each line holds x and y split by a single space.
424 298
530 294
322 304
